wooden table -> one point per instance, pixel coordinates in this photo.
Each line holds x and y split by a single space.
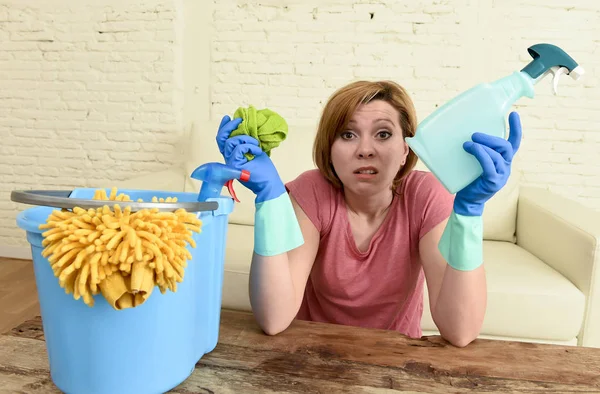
313 357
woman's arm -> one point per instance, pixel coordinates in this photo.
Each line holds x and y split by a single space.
457 299
285 240
277 283
452 253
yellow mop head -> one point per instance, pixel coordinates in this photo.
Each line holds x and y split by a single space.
121 254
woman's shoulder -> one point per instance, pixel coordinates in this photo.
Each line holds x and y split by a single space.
427 200
316 196
418 179
422 186
311 179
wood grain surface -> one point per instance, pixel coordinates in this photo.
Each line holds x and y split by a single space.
325 358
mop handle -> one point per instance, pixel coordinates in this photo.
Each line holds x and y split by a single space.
60 199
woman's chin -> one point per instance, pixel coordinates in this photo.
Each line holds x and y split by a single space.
366 189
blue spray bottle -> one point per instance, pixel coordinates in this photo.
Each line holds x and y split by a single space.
216 175
484 108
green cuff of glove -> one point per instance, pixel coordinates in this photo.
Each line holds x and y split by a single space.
462 242
276 228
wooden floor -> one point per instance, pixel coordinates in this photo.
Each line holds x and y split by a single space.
18 294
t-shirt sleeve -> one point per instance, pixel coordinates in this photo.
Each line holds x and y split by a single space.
432 203
315 195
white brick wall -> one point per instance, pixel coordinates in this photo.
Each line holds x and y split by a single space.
94 92
89 94
291 55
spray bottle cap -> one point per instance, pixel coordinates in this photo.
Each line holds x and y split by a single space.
548 58
214 176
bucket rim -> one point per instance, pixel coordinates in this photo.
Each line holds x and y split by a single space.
31 226
25 222
61 199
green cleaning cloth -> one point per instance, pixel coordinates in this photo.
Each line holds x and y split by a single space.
265 125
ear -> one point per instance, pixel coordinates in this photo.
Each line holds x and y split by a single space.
405 152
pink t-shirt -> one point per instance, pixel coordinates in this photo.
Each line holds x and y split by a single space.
383 286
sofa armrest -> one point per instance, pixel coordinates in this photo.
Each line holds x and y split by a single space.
565 235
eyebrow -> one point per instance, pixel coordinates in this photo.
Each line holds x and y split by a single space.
384 120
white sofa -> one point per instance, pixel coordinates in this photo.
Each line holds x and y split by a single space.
541 250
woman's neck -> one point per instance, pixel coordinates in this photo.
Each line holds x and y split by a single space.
369 207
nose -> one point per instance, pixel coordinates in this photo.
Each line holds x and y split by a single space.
365 149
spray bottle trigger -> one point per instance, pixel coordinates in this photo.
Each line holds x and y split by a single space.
245 176
556 73
229 184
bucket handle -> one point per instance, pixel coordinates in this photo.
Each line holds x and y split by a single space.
60 199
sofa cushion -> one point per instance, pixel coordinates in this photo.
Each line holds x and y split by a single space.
171 180
520 286
500 212
238 256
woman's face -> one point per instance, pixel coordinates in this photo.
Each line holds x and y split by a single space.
369 153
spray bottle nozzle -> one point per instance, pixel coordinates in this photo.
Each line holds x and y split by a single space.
550 59
216 175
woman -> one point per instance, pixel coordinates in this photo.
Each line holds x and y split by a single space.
352 241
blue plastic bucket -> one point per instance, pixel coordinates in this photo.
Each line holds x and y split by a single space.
151 348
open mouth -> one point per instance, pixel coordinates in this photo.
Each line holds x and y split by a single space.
366 171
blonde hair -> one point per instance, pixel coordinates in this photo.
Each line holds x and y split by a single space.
339 110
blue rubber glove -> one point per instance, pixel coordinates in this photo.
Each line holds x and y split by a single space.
276 227
461 243
226 127
495 155
264 179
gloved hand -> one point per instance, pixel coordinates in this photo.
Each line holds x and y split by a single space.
276 228
495 156
264 179
461 243
226 127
